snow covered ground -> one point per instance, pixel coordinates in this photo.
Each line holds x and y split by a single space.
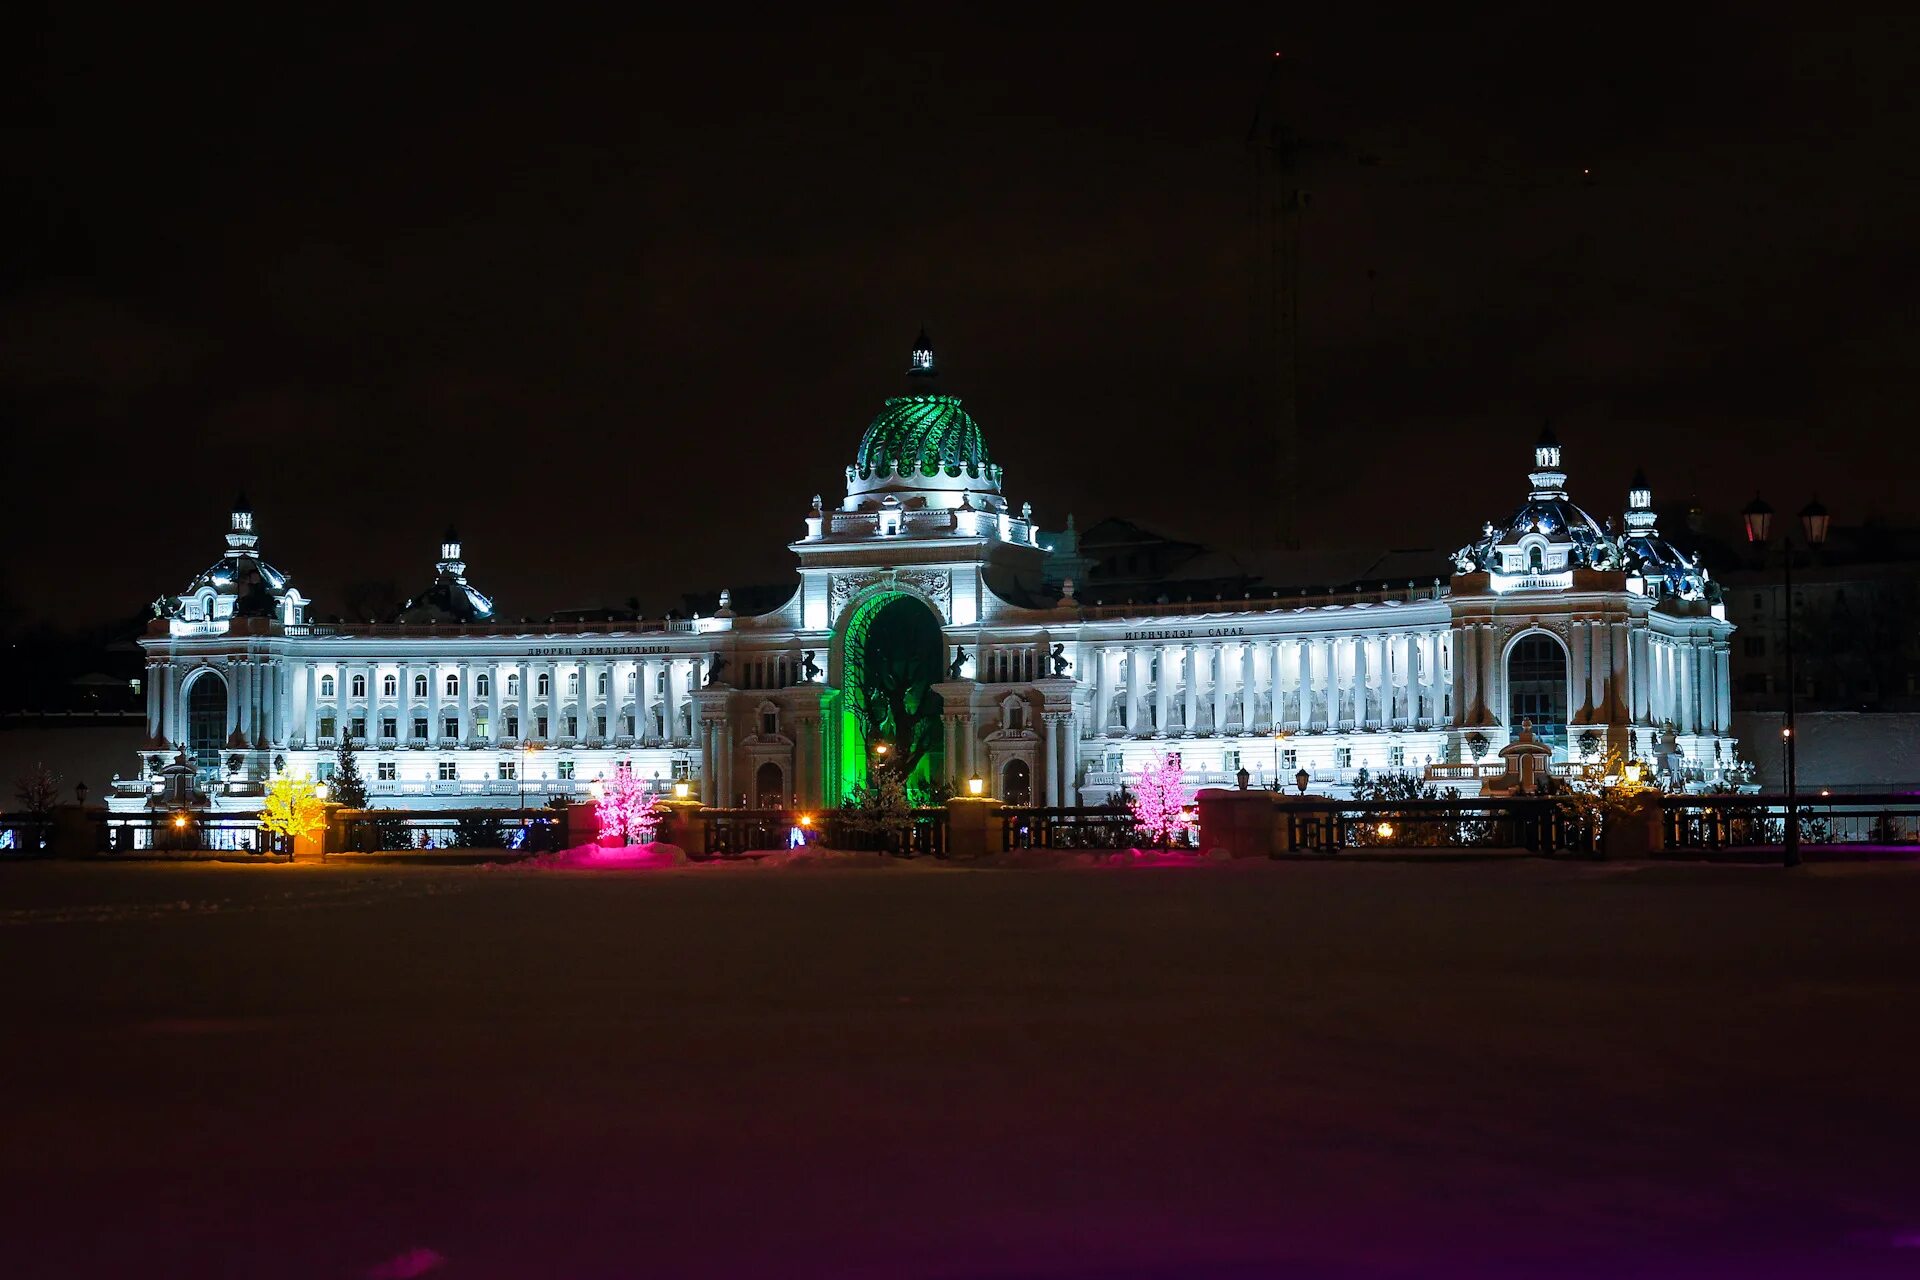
1503 1069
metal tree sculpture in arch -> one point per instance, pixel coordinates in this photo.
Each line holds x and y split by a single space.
890 716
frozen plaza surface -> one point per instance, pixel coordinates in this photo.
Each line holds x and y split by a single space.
1517 1069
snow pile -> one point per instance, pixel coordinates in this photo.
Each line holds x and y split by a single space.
598 857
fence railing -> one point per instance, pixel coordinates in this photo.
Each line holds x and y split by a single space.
733 832
1087 827
25 835
1733 821
184 831
1537 825
414 830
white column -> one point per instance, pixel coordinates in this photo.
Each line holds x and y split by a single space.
1191 654
1134 669
1722 674
1162 685
1218 667
1102 691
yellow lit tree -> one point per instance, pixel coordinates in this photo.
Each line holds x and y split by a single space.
292 808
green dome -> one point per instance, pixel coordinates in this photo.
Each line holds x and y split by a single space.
926 435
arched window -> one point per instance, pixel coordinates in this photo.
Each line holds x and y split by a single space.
513 686
453 686
1537 688
573 684
389 686
420 686
544 688
600 685
1536 560
359 686
326 686
633 682
482 685
207 723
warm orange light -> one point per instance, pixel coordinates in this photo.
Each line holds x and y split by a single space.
1386 830
806 819
180 821
976 786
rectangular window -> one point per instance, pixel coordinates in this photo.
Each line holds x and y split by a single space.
324 771
480 727
565 773
420 726
1230 761
327 726
507 770
626 725
1397 757
599 726
359 726
769 723
682 770
389 727
1343 757
540 726
1116 763
447 771
573 726
450 728
1290 759
513 726
1756 646
385 771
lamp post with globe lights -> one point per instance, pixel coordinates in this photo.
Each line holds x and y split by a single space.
1813 528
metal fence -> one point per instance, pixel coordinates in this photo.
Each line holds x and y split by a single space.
417 830
25 835
1537 825
735 832
182 832
1710 822
1109 826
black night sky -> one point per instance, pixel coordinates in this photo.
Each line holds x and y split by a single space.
618 300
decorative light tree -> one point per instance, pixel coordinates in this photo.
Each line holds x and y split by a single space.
627 809
1158 799
292 808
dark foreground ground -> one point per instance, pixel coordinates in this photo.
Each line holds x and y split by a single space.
1498 1070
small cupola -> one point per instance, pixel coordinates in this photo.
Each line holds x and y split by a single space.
1549 480
1641 521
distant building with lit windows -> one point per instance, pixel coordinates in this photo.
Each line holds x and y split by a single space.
1602 638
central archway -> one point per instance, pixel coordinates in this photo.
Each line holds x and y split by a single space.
890 658
206 723
1537 688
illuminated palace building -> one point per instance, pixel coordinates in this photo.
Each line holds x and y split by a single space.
934 626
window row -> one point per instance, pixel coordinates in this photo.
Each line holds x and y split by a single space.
482 685
329 726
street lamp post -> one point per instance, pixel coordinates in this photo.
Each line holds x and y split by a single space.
1813 527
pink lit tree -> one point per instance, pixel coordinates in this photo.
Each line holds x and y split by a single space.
627 809
1158 800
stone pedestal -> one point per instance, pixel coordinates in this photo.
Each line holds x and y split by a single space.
1638 832
313 848
683 826
974 829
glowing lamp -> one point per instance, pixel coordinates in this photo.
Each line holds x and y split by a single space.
1759 519
1633 774
322 792
180 820
681 790
976 785
1814 521
880 750
594 788
1386 831
806 819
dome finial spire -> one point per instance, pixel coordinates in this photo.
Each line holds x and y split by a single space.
920 363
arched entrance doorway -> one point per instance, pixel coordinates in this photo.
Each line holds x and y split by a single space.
1537 688
206 723
768 789
1016 783
891 655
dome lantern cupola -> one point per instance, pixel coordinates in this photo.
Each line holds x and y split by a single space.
920 361
1641 522
451 598
240 535
1549 481
237 585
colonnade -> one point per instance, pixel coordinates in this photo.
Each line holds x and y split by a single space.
1255 684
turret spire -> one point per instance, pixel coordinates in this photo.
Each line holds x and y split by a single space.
920 363
1549 481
